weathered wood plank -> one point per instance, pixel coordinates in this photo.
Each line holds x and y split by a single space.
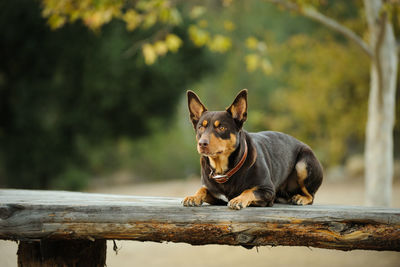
26 214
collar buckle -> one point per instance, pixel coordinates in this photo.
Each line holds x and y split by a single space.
219 178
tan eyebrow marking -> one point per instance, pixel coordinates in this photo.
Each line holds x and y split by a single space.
216 123
204 123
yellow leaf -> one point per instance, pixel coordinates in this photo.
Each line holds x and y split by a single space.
56 21
251 42
95 19
198 36
175 17
220 44
197 11
132 19
74 15
149 54
150 19
173 42
252 62
165 15
160 47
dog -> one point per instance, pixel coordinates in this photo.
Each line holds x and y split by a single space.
240 169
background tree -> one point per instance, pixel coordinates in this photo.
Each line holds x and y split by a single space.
383 52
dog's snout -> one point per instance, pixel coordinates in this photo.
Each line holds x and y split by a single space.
203 142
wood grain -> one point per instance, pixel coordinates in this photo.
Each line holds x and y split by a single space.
37 215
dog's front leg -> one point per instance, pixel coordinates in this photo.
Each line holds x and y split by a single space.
202 195
246 198
255 196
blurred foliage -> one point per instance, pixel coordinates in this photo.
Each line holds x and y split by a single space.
96 13
137 15
316 87
166 154
323 100
142 14
78 103
317 84
68 93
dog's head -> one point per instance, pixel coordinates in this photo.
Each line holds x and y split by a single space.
217 132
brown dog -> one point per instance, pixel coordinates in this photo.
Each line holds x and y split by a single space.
241 168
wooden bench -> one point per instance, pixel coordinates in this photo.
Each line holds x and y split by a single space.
56 227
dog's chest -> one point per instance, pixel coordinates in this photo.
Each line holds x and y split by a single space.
222 197
224 193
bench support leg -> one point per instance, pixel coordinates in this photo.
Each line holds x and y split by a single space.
74 253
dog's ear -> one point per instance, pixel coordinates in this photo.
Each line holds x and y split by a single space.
196 108
238 109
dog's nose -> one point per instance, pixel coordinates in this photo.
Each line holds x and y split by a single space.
203 143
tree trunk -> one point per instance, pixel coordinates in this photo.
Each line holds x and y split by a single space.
381 107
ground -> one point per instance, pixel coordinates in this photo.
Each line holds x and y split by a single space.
132 253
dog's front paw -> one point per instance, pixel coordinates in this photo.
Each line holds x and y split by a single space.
301 200
192 201
238 203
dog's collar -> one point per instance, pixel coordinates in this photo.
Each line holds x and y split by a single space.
224 178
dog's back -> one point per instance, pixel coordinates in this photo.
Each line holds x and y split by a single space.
279 152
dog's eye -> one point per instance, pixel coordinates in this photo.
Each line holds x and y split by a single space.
221 128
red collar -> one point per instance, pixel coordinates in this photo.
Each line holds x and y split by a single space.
224 178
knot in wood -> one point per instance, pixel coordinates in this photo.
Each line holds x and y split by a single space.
243 238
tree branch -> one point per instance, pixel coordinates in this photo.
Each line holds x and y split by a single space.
313 14
134 48
378 45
